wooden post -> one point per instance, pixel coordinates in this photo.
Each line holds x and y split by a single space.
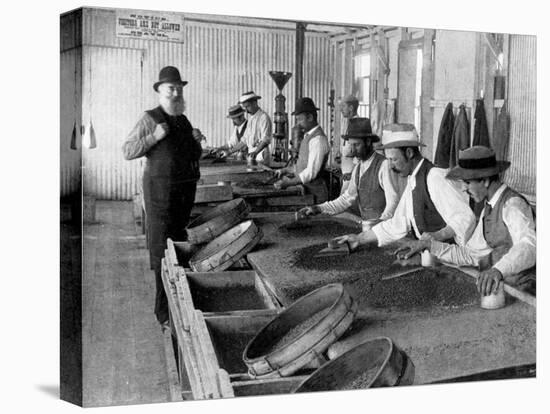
299 71
427 93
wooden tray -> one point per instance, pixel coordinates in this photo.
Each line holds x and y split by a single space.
263 361
217 220
227 248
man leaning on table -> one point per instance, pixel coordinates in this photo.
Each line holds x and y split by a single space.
503 244
431 207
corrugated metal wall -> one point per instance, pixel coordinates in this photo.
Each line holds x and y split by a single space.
70 96
219 61
522 95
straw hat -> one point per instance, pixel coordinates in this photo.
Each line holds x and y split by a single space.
400 135
477 162
235 111
249 96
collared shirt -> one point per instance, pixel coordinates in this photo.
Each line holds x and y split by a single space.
450 203
259 129
349 196
233 139
518 218
318 149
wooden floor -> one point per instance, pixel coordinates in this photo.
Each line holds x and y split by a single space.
124 358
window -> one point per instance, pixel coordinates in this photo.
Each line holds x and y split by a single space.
362 81
418 90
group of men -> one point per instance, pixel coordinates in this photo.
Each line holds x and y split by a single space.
399 194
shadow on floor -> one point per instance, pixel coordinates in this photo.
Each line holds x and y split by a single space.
51 390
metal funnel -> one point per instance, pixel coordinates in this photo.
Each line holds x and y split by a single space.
280 78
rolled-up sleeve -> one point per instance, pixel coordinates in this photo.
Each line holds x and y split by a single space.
451 204
346 199
140 140
518 218
318 148
265 128
396 227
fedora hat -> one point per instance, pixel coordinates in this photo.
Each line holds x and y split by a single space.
400 135
360 128
249 96
235 111
304 105
169 74
477 162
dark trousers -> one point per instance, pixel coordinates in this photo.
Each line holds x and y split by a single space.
168 206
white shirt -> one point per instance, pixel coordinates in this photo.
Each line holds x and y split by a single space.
518 218
318 149
450 203
233 140
346 200
259 129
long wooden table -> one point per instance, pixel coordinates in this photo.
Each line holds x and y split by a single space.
443 342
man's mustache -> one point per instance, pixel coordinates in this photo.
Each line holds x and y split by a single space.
395 170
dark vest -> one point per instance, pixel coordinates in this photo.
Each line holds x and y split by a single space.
317 186
176 156
370 195
495 231
426 216
498 237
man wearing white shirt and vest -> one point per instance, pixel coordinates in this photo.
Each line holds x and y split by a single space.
430 207
259 128
236 143
348 108
373 183
309 169
504 241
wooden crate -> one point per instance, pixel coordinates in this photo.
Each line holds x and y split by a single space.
230 333
216 292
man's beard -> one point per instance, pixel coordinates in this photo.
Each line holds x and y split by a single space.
176 106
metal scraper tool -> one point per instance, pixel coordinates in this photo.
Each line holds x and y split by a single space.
337 250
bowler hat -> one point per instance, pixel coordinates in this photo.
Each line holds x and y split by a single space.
169 74
235 111
304 105
360 128
477 162
249 96
400 135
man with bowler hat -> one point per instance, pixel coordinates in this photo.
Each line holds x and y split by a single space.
430 207
309 169
171 146
504 242
372 187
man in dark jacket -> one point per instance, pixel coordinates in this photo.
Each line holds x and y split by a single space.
172 149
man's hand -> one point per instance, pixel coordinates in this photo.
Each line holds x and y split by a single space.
351 239
489 281
197 134
160 132
411 247
282 183
427 236
309 211
280 173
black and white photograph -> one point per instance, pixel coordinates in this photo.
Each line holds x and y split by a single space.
295 205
